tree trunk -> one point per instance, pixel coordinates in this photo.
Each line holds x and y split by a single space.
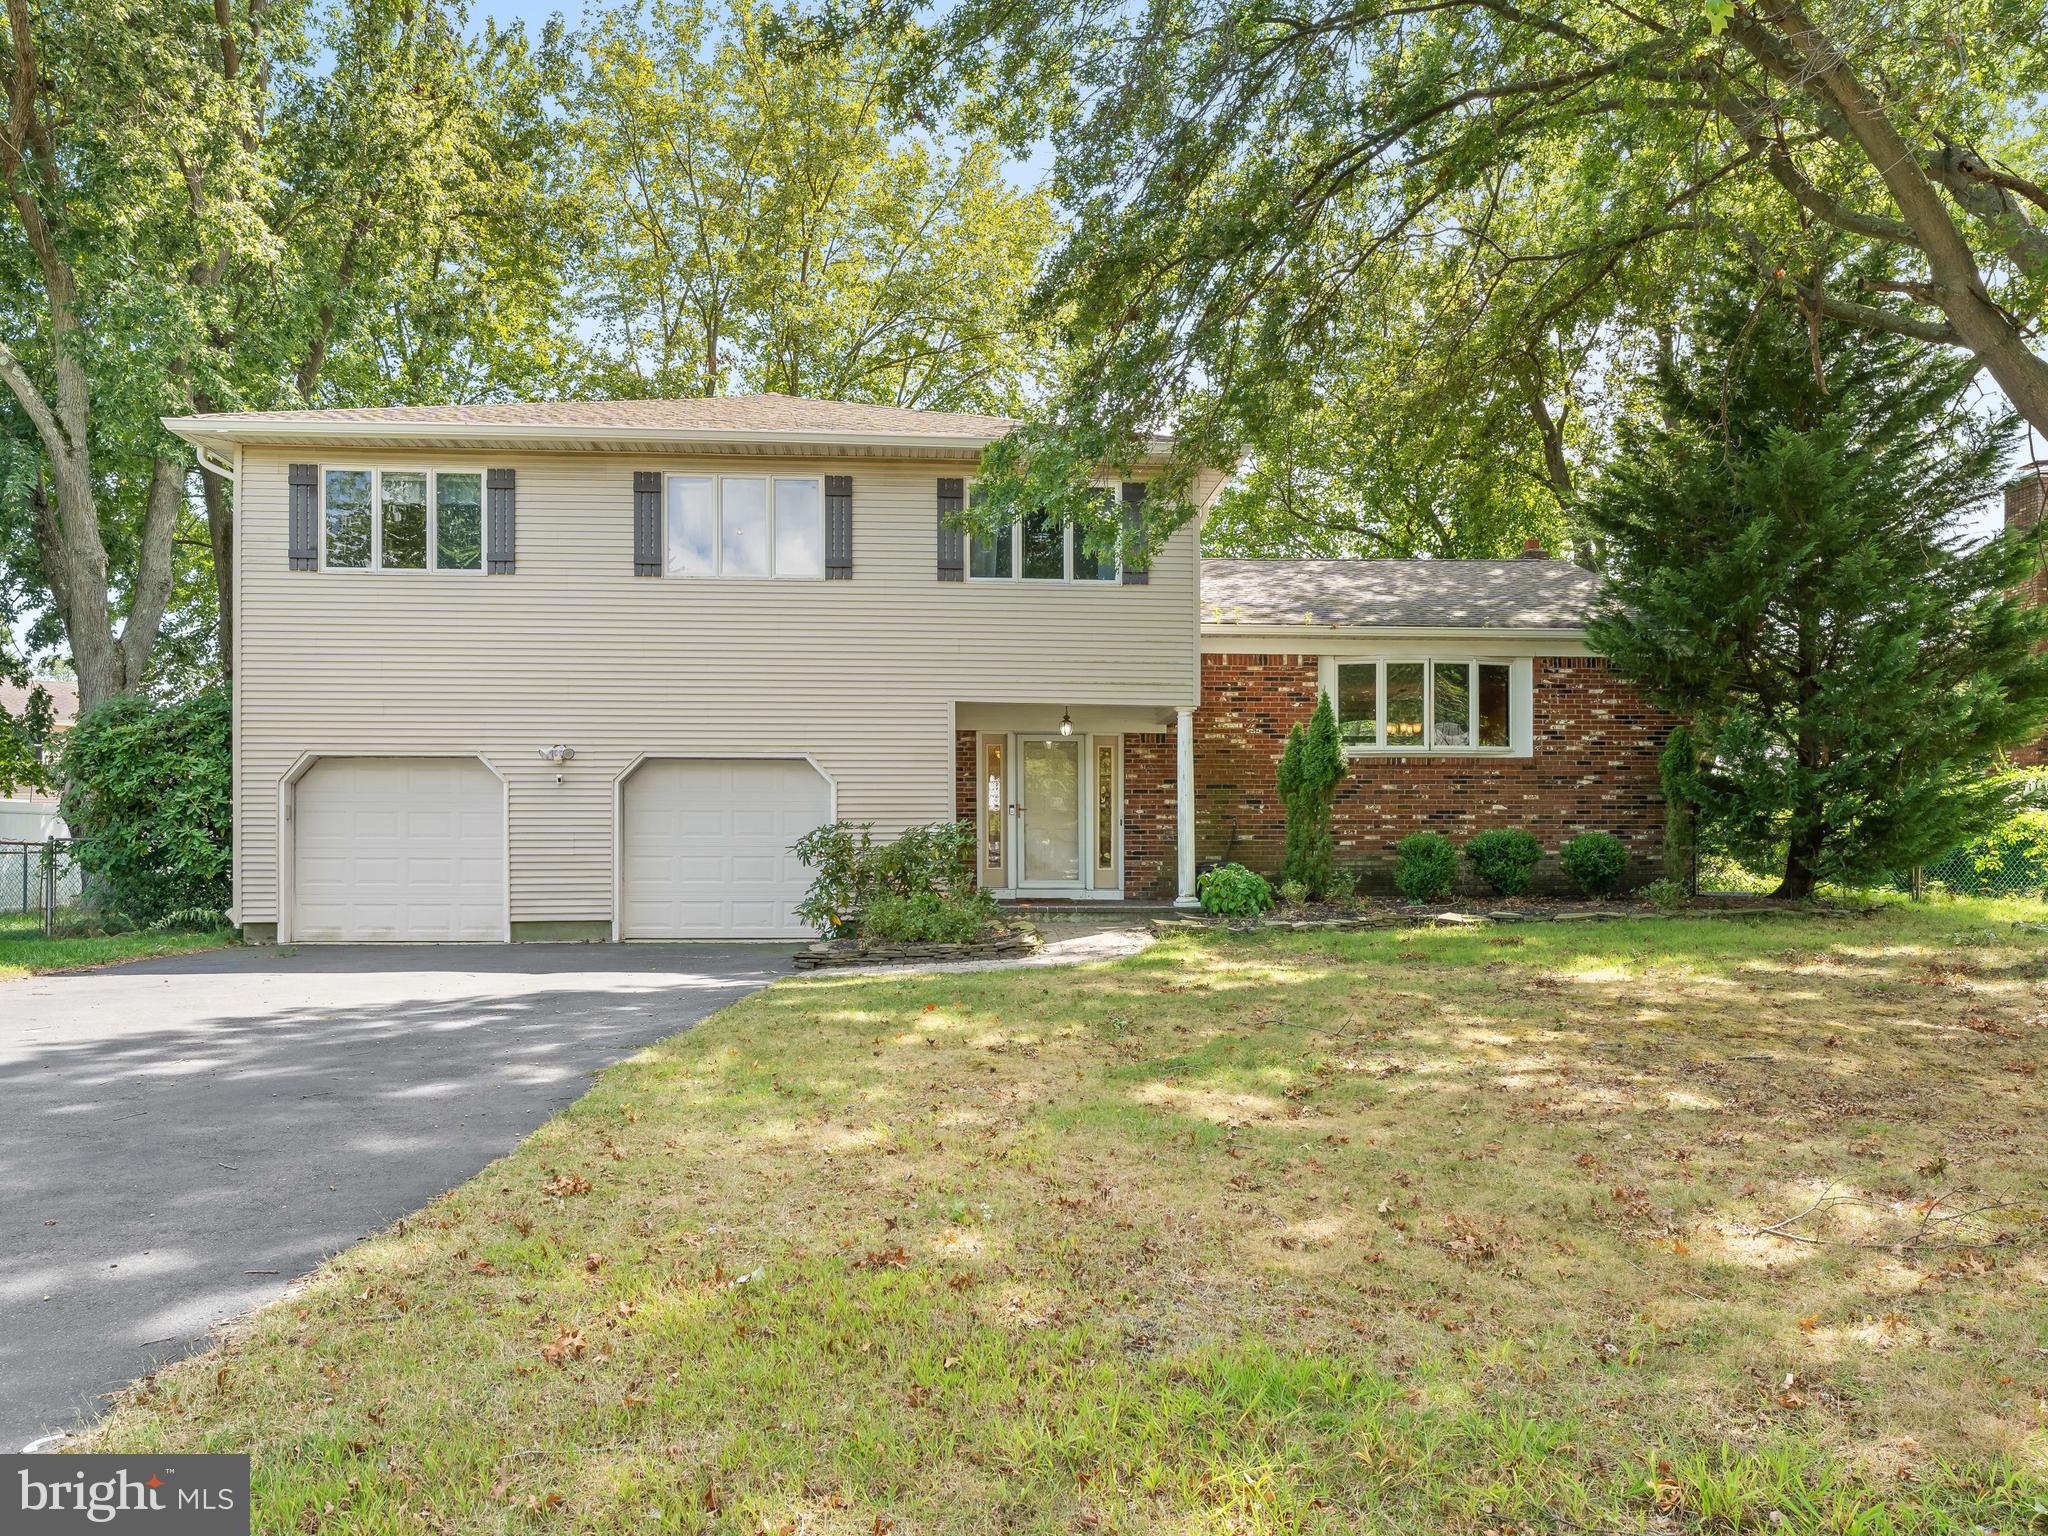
220 537
1802 862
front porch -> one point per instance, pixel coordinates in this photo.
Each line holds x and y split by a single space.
1078 805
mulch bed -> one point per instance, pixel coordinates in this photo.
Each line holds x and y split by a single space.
1525 910
999 944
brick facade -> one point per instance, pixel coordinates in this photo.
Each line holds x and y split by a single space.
1149 816
1594 769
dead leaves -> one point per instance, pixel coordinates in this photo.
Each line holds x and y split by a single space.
569 1344
563 1185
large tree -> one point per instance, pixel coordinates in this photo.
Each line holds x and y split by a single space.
1783 574
758 220
1243 178
214 208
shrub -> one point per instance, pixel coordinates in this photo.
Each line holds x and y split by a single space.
1293 893
1665 895
849 869
1343 885
1311 766
1596 861
928 918
146 794
1231 890
1505 858
1425 864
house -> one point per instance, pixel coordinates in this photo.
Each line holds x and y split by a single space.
586 670
30 815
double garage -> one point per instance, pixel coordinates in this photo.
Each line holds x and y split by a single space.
398 849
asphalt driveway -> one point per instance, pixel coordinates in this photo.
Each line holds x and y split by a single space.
181 1137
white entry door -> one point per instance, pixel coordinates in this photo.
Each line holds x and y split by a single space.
704 847
1051 824
398 848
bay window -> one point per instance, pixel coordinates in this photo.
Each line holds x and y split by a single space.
1423 705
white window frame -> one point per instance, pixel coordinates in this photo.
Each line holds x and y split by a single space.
1066 578
718 572
433 477
1521 687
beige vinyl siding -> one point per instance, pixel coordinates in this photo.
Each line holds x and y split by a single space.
860 675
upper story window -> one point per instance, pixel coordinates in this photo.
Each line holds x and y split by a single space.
402 519
1423 704
746 526
1038 548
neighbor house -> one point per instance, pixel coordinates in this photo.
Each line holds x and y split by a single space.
32 815
586 670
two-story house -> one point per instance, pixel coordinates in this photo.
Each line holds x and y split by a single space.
586 670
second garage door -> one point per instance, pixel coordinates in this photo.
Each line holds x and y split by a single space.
705 847
398 848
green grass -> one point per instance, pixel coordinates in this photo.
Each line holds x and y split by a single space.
25 952
1412 1231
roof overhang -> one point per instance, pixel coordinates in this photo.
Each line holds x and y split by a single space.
1270 636
221 434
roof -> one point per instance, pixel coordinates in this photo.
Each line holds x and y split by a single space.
723 423
1398 594
63 693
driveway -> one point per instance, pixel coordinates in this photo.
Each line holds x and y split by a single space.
181 1137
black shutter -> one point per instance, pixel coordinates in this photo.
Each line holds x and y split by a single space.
952 542
1136 572
839 527
501 543
303 504
646 523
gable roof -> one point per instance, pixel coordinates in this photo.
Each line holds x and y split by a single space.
1397 594
63 692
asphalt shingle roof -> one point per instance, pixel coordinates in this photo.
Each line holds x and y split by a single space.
1399 594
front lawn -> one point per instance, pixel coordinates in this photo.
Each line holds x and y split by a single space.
1718 1225
25 952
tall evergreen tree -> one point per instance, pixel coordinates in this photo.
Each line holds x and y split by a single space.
1311 766
1783 573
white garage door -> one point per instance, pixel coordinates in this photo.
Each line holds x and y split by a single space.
705 844
399 848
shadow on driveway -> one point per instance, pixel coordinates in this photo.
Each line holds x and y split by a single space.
181 1137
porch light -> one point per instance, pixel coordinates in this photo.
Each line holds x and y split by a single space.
557 755
1066 723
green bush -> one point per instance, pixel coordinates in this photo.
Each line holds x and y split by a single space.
1666 895
1293 893
850 870
1231 890
1596 861
147 797
1425 864
1343 886
928 918
1505 858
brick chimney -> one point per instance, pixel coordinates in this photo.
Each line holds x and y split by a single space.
1532 549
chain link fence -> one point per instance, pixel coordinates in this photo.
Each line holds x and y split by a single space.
42 886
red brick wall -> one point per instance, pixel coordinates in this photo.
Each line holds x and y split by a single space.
965 776
1594 769
1149 863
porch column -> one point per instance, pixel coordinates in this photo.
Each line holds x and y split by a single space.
1184 804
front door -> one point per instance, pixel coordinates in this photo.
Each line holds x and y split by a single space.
1051 821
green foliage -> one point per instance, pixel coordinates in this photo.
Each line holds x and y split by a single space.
1293 893
1425 865
850 869
1342 886
1312 764
146 794
928 917
25 744
1678 771
2010 859
1666 895
1505 858
757 219
1231 890
1781 575
1596 862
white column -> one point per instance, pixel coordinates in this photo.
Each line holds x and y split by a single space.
1184 804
